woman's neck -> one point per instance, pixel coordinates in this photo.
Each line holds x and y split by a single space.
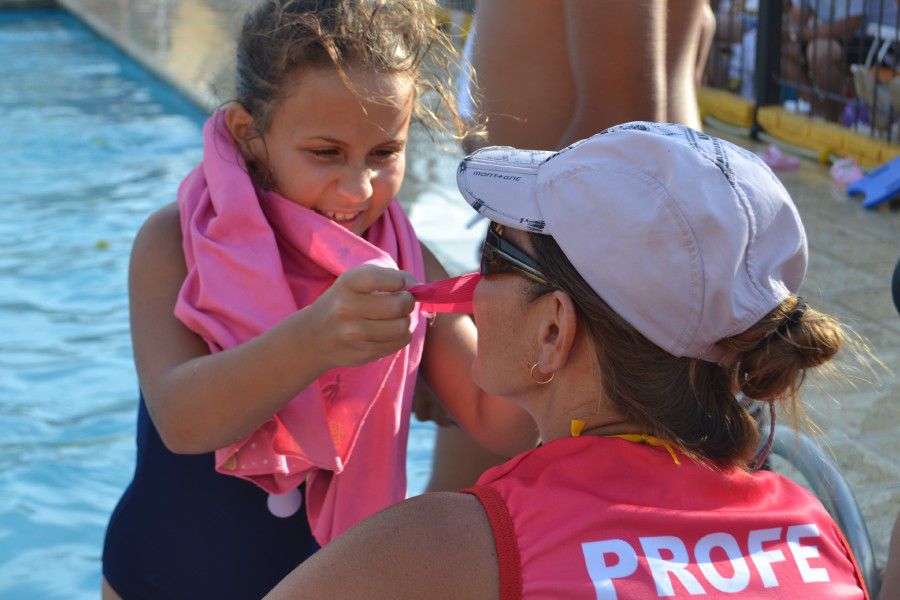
561 428
555 409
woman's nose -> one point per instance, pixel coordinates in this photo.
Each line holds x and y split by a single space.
355 184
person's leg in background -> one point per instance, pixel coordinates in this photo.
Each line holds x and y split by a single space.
522 68
617 52
687 39
707 35
551 73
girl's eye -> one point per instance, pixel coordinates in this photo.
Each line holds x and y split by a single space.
325 152
386 153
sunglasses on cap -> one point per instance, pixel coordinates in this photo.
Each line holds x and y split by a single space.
500 256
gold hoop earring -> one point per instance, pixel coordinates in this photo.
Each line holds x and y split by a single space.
552 375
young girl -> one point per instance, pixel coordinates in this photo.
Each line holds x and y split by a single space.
270 318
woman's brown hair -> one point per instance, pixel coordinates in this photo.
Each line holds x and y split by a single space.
691 402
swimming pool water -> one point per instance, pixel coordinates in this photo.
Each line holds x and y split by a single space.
91 145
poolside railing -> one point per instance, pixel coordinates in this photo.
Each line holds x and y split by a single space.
830 60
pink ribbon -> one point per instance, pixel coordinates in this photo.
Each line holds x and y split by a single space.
449 295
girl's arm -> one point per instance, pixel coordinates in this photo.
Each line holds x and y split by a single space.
200 401
433 546
450 346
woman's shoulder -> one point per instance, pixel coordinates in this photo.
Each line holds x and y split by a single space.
443 535
437 545
447 514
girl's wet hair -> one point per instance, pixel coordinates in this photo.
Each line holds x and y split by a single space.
691 402
282 38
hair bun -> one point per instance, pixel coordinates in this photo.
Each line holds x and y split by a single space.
772 357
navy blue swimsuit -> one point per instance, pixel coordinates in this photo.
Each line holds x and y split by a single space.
181 530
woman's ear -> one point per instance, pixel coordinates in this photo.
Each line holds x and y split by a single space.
557 331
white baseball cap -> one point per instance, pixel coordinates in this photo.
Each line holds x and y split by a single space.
689 238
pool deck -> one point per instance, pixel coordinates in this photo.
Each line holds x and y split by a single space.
189 44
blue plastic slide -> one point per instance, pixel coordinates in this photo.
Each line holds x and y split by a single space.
878 186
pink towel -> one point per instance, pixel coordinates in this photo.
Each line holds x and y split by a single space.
254 259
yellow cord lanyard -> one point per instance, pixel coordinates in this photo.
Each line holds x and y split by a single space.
577 427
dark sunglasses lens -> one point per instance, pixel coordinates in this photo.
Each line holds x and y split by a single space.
490 262
487 253
494 260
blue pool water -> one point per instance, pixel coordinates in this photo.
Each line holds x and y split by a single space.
91 145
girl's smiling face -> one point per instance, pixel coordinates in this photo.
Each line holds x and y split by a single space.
338 151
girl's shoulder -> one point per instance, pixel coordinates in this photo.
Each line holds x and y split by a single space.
163 225
157 245
157 269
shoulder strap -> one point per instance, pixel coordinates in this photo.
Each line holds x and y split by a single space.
508 559
860 580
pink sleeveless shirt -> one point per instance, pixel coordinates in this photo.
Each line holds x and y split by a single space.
603 518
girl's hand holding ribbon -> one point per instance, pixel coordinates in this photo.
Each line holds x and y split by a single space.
364 316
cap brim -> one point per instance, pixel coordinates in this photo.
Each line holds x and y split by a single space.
500 183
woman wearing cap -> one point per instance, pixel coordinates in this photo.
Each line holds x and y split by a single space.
635 285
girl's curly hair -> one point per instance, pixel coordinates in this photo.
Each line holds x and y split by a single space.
281 38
